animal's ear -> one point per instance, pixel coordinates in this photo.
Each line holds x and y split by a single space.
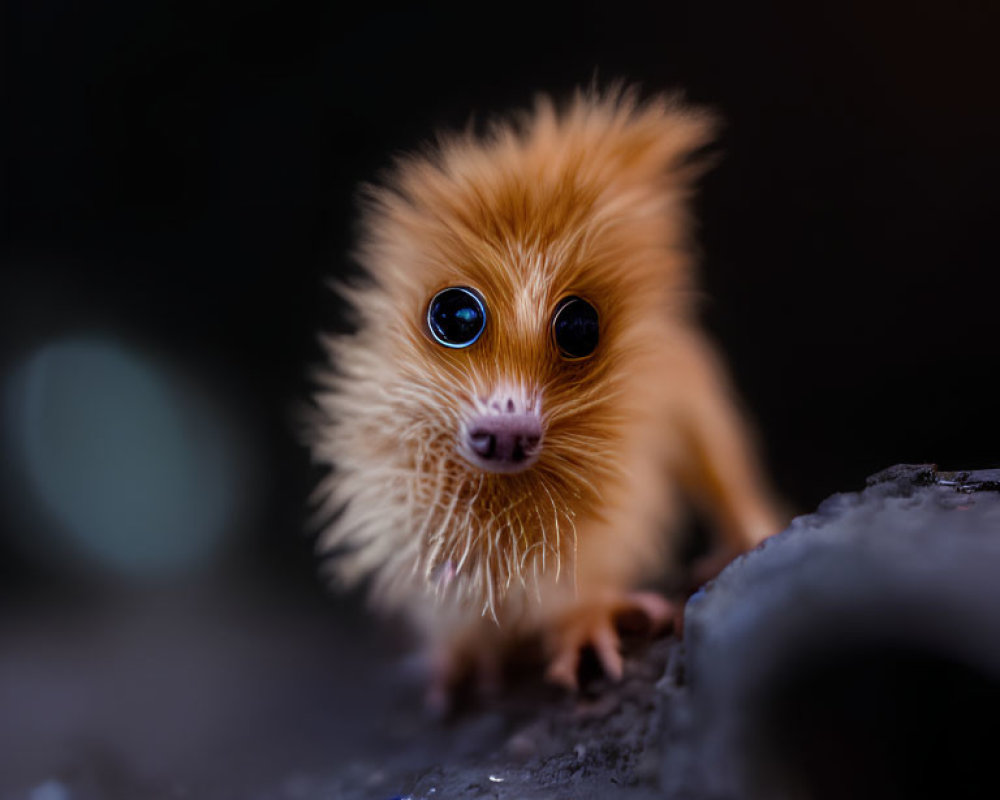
667 140
660 142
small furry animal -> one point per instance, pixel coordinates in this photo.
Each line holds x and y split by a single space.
527 390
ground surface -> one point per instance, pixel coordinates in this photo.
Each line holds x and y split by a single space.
533 741
268 702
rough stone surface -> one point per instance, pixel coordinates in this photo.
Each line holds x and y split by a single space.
887 599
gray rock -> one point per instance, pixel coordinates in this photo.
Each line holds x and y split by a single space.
856 654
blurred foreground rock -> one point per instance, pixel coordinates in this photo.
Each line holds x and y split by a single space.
856 654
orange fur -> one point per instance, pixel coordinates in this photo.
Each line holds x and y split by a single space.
586 201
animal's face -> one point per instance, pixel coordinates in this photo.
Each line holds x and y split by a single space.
504 434
516 341
517 354
504 364
518 289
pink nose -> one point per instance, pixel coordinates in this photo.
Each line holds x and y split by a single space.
504 442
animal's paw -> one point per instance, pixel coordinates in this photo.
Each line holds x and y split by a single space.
451 668
596 625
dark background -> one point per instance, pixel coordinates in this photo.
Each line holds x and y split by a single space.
188 174
182 178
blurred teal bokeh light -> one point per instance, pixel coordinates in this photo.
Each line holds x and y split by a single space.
137 471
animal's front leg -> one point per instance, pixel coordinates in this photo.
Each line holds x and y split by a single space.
471 656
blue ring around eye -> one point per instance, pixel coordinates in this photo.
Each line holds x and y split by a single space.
466 317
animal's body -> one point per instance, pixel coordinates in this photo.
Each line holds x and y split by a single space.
528 392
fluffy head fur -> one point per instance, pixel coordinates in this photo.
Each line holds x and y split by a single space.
585 201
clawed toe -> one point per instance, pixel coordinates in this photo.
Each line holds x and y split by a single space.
658 612
594 627
597 632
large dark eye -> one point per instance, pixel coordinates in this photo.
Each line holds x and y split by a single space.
456 317
574 328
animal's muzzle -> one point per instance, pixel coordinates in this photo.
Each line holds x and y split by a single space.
504 434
